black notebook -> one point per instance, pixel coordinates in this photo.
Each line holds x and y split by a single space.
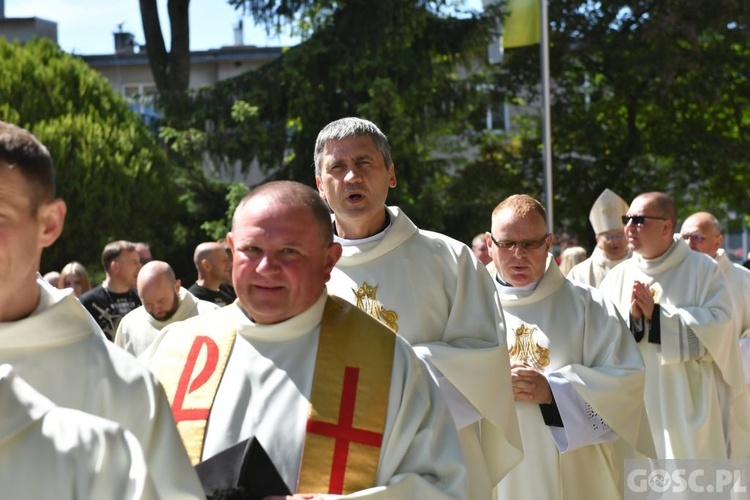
243 471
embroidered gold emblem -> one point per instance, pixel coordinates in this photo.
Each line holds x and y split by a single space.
525 349
656 292
368 302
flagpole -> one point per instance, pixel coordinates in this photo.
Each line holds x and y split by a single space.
546 128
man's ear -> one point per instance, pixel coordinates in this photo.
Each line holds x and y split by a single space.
319 183
52 219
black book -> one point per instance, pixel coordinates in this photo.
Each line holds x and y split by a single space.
241 472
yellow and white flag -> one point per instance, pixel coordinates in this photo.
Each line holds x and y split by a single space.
521 26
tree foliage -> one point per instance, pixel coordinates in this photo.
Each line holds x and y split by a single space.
112 174
394 62
647 95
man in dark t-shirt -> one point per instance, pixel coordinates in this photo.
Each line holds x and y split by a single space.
116 296
213 266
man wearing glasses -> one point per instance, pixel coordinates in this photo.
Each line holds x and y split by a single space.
702 233
680 313
611 246
576 372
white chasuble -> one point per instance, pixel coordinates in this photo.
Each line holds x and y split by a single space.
63 354
137 329
579 341
738 281
593 270
432 291
695 392
52 452
265 392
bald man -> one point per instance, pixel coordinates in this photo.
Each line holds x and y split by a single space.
680 313
214 267
702 233
164 302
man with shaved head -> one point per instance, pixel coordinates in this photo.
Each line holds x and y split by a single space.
680 312
164 302
702 233
286 363
214 268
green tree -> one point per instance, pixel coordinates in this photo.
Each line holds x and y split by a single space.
394 62
647 95
112 174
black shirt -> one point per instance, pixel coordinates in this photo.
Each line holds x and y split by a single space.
108 308
223 297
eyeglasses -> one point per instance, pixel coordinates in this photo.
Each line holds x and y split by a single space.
693 238
613 237
638 220
525 244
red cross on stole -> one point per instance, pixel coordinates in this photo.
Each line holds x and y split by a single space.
348 402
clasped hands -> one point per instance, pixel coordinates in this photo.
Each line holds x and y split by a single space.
641 301
529 385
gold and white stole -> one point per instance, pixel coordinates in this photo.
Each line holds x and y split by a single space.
191 373
348 402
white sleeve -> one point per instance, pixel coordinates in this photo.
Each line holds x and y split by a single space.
678 341
463 412
745 354
583 426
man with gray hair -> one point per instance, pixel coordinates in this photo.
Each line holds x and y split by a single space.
164 302
425 286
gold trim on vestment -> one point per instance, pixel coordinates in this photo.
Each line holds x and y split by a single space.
190 373
344 433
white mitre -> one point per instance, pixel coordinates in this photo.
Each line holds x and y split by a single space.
607 212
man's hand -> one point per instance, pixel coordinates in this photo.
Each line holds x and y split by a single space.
529 385
642 301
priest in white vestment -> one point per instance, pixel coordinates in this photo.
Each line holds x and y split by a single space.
427 287
577 374
680 311
52 342
283 249
164 302
702 233
611 246
52 452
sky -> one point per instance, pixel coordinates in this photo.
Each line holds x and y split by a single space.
86 26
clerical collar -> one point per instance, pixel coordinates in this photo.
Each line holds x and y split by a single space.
363 241
515 289
289 329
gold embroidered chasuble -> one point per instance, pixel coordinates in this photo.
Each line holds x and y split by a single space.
436 295
568 331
